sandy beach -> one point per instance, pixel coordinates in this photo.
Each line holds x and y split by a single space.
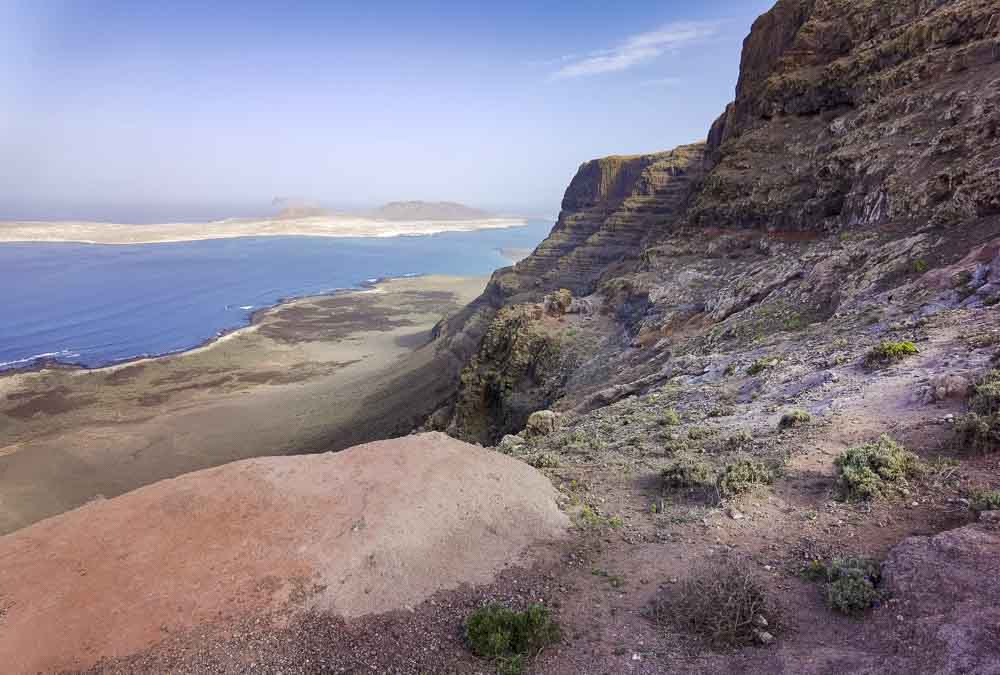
311 375
317 226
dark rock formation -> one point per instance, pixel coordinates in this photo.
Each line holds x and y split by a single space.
863 144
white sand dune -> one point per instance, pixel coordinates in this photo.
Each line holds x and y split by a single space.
316 226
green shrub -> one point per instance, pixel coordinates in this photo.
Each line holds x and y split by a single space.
688 473
724 603
851 594
920 266
742 476
985 500
741 441
670 418
762 364
876 470
721 410
795 418
699 433
850 583
500 633
985 398
887 352
543 460
979 432
980 428
673 444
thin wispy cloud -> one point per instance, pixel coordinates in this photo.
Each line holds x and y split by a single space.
637 50
663 82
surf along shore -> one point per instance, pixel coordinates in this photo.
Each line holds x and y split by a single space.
310 375
319 226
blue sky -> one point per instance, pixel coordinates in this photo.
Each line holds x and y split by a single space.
187 108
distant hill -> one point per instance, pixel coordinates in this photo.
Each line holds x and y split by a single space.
418 210
294 207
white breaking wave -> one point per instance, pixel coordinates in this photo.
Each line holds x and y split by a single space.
62 354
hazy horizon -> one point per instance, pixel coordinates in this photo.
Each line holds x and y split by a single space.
145 113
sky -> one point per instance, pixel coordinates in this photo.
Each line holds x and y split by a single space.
144 111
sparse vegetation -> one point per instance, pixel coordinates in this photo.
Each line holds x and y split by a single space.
875 470
850 584
888 352
699 433
616 580
985 500
670 418
688 473
543 460
920 266
721 410
741 441
510 637
980 428
980 433
743 476
589 517
762 364
795 418
725 604
985 399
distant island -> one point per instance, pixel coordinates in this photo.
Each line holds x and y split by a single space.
294 219
396 211
417 210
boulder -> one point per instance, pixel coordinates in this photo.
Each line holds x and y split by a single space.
375 528
949 587
541 423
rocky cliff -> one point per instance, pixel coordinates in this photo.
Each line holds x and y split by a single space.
862 148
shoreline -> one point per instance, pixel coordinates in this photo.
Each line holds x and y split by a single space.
121 234
314 374
41 363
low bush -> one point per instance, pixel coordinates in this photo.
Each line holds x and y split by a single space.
980 428
985 397
742 476
723 603
795 418
762 364
980 433
887 352
850 584
985 500
688 473
875 470
741 441
509 637
670 418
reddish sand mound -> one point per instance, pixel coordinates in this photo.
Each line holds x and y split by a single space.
370 529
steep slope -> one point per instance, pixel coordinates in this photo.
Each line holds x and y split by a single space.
862 149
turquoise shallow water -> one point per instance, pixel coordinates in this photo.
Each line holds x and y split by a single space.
95 305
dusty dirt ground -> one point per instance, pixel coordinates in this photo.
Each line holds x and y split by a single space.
601 582
375 528
310 375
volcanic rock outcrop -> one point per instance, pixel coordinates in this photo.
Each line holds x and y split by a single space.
367 530
862 149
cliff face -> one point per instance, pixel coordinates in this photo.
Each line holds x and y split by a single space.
863 147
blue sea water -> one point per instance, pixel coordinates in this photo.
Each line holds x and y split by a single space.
95 305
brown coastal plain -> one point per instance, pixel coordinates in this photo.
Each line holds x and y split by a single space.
313 374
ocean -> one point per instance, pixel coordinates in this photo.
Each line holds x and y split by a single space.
95 305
